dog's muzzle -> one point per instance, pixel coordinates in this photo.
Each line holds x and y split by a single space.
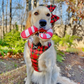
42 23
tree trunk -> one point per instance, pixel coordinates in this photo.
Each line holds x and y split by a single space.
60 8
6 15
2 18
32 4
53 2
10 13
27 7
29 4
35 3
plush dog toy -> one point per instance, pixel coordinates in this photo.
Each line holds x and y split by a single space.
32 30
43 36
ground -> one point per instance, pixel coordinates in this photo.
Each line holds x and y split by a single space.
10 64
72 67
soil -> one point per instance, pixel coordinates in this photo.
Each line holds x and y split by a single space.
72 67
10 64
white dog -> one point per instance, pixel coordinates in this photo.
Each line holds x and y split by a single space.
48 72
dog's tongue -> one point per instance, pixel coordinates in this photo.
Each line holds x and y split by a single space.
30 31
42 30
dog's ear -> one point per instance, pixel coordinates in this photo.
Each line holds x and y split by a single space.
28 22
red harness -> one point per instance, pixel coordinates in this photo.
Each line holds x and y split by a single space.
35 53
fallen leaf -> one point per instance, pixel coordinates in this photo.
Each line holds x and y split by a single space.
8 54
5 57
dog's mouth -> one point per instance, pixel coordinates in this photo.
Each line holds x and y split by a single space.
41 31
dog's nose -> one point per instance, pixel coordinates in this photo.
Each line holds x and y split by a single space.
42 22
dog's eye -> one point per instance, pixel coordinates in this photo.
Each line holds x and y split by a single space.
36 13
48 14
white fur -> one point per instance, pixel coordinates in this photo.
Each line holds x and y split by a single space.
48 75
50 72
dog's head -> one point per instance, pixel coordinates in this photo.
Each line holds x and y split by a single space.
39 17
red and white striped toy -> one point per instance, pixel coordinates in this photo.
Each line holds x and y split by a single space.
46 35
28 32
31 30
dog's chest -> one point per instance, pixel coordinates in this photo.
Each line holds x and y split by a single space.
35 53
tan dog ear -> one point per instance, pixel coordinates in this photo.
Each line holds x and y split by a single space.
28 22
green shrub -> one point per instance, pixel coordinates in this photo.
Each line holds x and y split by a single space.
66 40
72 50
2 43
60 56
13 42
3 47
83 49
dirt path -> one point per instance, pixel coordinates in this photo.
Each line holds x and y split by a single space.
72 67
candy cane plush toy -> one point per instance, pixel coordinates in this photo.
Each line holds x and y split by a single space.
32 30
47 35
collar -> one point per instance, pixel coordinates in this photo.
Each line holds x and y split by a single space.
33 46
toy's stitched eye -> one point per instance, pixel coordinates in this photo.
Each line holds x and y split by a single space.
36 13
48 14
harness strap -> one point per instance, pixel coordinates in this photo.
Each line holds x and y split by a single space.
35 53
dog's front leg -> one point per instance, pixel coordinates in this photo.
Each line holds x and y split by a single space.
28 64
29 73
48 77
48 74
